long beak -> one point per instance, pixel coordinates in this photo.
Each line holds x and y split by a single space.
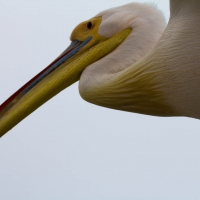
61 73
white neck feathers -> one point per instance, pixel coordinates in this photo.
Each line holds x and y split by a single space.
147 24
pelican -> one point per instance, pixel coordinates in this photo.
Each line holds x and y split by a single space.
125 58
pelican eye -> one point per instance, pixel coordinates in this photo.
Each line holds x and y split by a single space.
89 25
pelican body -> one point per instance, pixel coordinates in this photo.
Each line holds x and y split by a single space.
125 58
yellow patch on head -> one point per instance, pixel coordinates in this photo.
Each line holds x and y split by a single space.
88 29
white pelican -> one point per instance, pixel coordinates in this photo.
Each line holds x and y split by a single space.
124 61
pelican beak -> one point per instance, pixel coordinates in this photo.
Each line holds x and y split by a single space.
61 73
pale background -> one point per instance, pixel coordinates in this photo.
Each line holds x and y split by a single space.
70 149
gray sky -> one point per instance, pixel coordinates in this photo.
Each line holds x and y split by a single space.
70 149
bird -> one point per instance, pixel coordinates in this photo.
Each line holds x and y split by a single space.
125 58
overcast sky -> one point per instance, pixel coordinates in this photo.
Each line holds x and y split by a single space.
70 149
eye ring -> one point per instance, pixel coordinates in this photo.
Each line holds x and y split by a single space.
89 25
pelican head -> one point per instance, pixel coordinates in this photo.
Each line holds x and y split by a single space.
121 63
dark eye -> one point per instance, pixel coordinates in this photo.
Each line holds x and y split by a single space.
89 25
